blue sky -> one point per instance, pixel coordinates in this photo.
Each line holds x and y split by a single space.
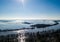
36 9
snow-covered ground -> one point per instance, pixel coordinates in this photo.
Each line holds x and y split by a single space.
20 24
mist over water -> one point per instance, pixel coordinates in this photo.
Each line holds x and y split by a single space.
17 24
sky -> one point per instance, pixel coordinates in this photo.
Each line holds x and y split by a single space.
29 9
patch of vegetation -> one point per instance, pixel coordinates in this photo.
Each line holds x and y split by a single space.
44 37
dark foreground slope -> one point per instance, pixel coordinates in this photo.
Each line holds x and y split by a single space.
44 36
50 36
